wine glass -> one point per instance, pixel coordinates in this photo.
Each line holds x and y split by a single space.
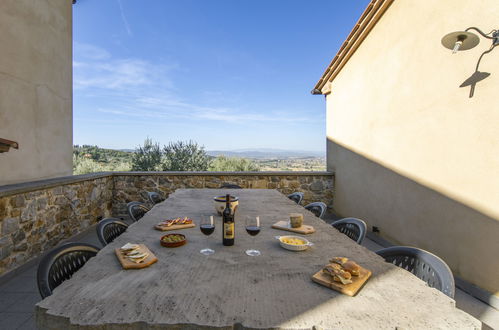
207 227
253 228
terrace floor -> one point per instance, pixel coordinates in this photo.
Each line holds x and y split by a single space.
19 294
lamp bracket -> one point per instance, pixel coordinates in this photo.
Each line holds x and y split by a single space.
494 34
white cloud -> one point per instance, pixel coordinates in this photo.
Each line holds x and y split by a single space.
137 88
117 74
90 52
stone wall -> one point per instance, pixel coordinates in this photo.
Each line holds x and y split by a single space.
36 216
32 222
316 186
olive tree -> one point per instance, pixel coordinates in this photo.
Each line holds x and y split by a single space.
147 157
184 156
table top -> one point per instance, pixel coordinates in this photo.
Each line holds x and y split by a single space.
229 288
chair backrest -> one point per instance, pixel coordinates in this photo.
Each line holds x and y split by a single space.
317 208
154 197
425 265
110 228
61 263
230 186
136 210
296 197
352 227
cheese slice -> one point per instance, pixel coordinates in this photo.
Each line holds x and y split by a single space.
129 247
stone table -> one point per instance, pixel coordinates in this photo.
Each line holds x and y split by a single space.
186 289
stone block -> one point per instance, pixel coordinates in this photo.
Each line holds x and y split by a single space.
260 184
316 186
5 241
5 247
59 200
10 225
5 252
29 212
41 203
3 206
21 247
18 236
17 201
212 185
57 190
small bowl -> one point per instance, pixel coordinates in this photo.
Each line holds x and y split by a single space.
219 203
292 247
173 244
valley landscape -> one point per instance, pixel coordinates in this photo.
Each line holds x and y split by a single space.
89 159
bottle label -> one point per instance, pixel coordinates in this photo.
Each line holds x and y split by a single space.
229 230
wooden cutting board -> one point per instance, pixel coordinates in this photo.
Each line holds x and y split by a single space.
128 264
284 225
174 227
348 289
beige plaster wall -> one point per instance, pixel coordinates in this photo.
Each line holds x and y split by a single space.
412 153
36 88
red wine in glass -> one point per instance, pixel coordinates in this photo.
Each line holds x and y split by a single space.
207 229
253 230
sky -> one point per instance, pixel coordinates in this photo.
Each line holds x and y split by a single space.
227 74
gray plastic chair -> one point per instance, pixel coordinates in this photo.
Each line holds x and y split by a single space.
136 210
296 197
61 263
425 265
317 208
352 227
110 228
154 197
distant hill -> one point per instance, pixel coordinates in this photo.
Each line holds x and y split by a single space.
263 153
266 153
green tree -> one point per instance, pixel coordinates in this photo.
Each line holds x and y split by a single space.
147 157
184 156
232 164
82 165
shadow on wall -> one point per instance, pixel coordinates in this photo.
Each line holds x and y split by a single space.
409 213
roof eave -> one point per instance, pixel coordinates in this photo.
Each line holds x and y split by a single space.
371 15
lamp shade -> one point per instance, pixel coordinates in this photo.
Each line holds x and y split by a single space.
468 39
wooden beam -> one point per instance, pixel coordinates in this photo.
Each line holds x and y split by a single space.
5 145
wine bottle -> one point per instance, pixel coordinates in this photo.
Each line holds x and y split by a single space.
228 224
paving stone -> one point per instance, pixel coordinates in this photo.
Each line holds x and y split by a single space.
13 321
30 324
7 299
21 285
25 303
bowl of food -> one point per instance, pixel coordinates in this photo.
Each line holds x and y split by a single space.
294 243
219 203
173 240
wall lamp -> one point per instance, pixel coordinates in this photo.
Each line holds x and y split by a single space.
464 40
